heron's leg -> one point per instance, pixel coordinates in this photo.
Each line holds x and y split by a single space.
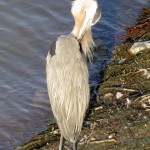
61 145
75 146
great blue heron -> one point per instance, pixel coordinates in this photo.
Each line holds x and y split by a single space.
67 73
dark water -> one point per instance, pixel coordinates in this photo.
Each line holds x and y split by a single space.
27 29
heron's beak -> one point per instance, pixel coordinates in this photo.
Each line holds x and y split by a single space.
97 16
87 23
91 18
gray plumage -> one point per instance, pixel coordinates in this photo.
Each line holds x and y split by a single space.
67 82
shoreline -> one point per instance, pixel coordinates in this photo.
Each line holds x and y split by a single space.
118 117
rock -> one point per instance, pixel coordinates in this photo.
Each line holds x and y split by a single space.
139 46
108 97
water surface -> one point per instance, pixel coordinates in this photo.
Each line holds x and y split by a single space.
27 29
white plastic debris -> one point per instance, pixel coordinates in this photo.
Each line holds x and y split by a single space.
128 102
144 105
139 46
118 95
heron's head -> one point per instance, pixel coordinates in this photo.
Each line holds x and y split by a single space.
86 13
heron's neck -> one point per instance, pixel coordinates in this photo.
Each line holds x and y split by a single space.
86 41
75 31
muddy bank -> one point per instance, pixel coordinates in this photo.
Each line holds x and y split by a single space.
119 116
